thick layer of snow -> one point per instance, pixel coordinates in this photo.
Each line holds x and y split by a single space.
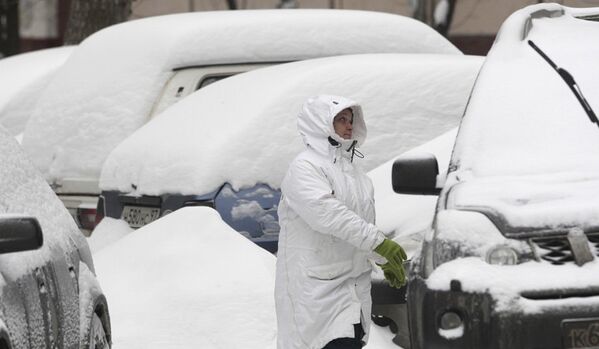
526 148
527 154
522 118
107 232
505 283
24 77
189 280
243 130
111 83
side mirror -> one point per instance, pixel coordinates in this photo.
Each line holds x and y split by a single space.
20 233
416 174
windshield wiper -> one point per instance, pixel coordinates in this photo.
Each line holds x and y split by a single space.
569 79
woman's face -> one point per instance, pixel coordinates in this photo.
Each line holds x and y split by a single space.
343 123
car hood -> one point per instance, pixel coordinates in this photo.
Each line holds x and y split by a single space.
533 205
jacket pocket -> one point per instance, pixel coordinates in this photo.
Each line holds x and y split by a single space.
329 271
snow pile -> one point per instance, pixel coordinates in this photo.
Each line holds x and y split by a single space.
243 130
107 232
111 83
24 77
189 280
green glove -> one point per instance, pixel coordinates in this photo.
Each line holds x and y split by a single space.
393 269
393 278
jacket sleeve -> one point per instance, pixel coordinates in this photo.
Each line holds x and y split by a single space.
309 194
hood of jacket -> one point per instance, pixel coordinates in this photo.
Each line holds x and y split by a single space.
315 124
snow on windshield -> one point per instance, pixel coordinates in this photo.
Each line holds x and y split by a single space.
24 77
522 118
526 145
243 130
111 83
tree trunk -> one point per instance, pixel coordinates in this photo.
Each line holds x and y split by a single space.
9 28
88 16
232 4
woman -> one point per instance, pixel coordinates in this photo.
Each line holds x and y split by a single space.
328 234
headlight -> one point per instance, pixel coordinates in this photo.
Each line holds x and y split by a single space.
502 255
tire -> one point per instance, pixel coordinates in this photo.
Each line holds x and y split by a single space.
97 335
381 320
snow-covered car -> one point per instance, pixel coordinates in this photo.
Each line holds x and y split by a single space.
49 294
24 77
228 146
123 75
511 259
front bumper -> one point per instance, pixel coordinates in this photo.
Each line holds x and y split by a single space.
485 327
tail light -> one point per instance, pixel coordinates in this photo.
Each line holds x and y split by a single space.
87 218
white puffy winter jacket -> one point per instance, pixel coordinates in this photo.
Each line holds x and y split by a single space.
327 234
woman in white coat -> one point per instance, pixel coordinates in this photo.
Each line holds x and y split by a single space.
328 234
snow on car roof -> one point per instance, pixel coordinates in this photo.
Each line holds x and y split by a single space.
23 78
243 130
108 87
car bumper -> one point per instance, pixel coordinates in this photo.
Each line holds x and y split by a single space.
563 322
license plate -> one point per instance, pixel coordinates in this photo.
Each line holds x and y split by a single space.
138 216
583 333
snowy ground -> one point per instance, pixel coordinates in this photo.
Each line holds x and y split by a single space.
189 280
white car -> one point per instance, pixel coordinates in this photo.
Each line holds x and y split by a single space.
228 146
123 75
512 258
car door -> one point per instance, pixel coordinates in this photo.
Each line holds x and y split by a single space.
28 309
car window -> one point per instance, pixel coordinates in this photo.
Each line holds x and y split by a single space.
211 79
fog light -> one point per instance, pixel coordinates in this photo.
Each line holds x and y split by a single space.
451 325
502 255
450 320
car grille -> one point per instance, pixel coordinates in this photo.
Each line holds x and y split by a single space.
557 250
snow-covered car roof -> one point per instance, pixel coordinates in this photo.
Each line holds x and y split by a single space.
243 130
24 77
108 86
527 150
